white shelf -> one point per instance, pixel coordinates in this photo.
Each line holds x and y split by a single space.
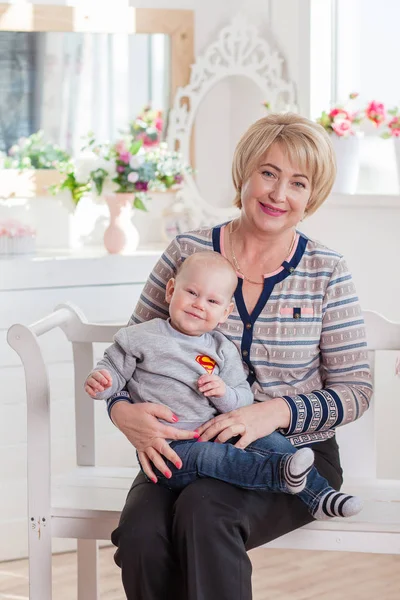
76 268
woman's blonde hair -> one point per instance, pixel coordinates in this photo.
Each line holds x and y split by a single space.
307 145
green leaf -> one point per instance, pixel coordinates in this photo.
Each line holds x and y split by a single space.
139 204
135 146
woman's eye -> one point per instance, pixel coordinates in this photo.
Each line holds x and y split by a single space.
300 184
268 173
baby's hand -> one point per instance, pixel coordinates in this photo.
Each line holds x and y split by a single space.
98 381
211 385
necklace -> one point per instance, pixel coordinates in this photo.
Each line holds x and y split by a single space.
235 261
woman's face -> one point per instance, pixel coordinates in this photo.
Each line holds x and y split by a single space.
275 196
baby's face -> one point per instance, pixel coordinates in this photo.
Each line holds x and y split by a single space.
199 299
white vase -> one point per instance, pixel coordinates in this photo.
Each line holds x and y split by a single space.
396 143
347 150
121 236
152 224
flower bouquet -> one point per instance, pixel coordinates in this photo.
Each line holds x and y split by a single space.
128 167
147 126
34 152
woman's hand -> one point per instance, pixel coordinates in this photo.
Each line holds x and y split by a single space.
140 424
250 422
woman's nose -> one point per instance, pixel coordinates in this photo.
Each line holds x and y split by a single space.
278 191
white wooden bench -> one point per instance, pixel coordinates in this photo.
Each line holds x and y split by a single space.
85 504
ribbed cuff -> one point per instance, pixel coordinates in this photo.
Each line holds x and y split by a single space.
118 397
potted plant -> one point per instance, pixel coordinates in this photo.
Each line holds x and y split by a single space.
31 167
342 123
128 173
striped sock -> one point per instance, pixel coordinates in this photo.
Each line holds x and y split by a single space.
296 469
336 504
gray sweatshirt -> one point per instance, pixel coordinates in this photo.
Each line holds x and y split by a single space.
159 364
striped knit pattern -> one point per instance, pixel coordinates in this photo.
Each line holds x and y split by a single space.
296 468
335 504
318 362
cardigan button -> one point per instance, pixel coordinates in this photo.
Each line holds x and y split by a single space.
248 325
245 353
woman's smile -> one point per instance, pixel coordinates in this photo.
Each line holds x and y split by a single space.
271 210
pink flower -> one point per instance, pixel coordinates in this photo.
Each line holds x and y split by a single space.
124 157
120 169
142 186
158 124
120 147
178 178
394 127
376 112
342 127
335 112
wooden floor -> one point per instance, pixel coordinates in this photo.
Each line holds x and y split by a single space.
278 575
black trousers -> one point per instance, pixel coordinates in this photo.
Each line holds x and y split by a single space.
192 546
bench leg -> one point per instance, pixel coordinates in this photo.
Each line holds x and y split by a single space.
87 570
39 539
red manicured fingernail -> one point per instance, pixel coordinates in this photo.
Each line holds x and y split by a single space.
196 430
167 474
154 479
196 435
175 418
178 465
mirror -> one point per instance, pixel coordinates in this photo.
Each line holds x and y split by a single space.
69 83
228 84
224 114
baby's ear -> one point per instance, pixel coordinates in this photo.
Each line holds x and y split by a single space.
227 312
169 290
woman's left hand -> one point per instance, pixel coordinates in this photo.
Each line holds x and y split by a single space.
250 422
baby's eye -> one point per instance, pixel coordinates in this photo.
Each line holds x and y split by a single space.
212 301
191 292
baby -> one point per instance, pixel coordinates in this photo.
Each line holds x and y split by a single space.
185 364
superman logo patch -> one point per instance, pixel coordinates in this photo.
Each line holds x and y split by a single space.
206 362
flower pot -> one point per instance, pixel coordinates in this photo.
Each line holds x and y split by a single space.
152 223
121 236
27 183
396 143
347 150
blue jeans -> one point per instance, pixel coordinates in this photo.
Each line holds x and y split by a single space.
258 467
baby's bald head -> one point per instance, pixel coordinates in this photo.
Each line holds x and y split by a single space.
214 263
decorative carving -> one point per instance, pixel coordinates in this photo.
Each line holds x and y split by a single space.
238 51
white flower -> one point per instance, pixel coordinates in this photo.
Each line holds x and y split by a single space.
133 177
85 164
138 159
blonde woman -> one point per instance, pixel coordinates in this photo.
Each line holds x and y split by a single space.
298 325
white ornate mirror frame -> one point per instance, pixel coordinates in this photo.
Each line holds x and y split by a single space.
238 51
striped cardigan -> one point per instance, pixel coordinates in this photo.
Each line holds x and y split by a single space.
305 340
